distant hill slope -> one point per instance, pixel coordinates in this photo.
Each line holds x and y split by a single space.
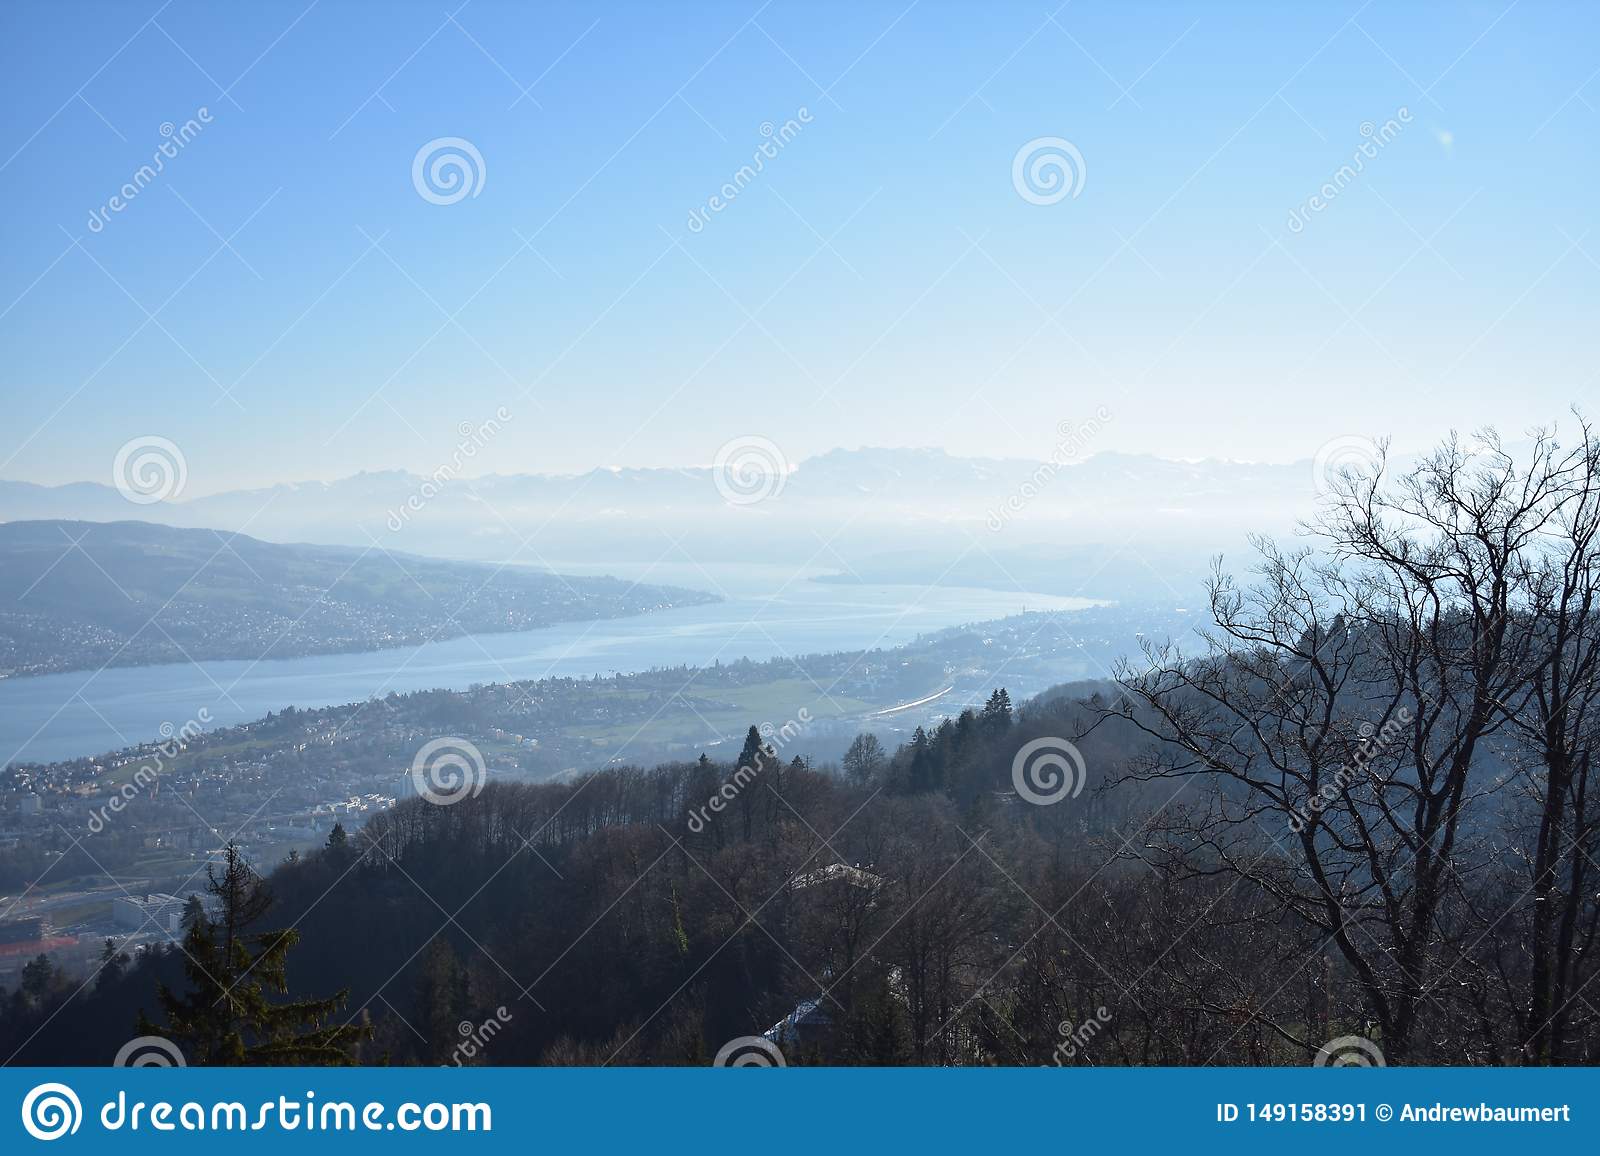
78 595
862 502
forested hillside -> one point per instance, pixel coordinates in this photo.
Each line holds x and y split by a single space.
76 595
1360 818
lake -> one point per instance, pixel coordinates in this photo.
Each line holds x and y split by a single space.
765 615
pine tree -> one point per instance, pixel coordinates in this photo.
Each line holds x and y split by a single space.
338 848
755 757
112 964
927 772
230 1016
997 711
754 748
194 913
39 978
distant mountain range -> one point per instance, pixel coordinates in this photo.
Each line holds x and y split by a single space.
858 502
79 595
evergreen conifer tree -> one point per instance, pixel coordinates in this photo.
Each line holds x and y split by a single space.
234 1013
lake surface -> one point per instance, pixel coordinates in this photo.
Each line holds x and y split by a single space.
764 615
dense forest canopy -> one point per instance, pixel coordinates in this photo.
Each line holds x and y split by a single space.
1362 813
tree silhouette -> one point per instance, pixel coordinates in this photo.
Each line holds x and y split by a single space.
229 1017
865 759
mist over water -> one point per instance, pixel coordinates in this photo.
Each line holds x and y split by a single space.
51 717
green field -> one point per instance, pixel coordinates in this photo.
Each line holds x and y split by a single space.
728 714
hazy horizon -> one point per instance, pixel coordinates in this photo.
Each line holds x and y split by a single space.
289 298
467 475
761 533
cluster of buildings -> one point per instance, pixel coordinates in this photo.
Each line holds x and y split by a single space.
24 940
134 922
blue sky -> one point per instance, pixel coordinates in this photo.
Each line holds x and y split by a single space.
879 282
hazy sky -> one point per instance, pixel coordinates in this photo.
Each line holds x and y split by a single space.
881 281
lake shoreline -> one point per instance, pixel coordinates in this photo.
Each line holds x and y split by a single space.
68 715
